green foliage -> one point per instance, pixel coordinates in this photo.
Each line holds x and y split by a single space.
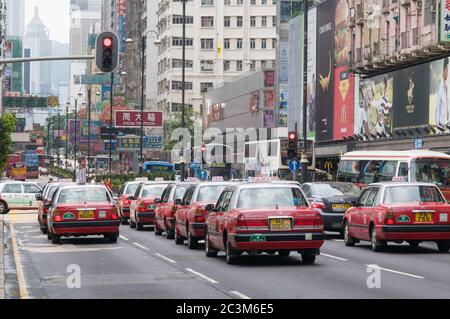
175 123
7 126
61 172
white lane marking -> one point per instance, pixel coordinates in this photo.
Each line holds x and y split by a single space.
238 294
166 258
202 276
123 237
338 240
140 246
334 257
396 272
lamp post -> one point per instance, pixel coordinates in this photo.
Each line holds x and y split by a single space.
76 132
67 132
183 80
304 159
143 48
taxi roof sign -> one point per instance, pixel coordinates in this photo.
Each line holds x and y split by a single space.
217 179
192 179
65 180
159 179
263 179
141 179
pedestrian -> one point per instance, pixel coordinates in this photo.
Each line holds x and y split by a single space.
108 184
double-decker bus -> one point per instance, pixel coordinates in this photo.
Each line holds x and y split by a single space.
365 167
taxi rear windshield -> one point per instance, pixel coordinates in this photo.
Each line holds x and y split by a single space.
153 191
131 189
210 194
412 194
270 197
80 196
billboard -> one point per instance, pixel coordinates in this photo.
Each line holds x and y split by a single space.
411 97
439 104
134 119
444 21
325 71
311 72
344 106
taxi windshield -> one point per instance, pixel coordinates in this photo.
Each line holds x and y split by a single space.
131 189
270 197
179 192
412 194
51 190
435 171
83 195
329 190
210 194
153 191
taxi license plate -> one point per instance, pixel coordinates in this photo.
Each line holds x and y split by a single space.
423 217
340 206
86 215
280 224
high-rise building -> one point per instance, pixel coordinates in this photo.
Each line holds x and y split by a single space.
85 18
224 39
16 17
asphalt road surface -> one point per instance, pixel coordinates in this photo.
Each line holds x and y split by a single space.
142 265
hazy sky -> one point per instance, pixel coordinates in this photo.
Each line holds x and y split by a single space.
54 14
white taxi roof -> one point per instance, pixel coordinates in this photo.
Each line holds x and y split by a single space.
370 155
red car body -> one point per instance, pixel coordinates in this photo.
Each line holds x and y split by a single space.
380 221
236 230
83 219
190 217
165 212
123 202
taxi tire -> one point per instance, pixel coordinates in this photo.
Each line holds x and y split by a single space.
158 232
348 240
139 226
49 235
44 230
132 224
112 238
231 256
308 258
376 245
56 240
3 208
169 232
192 241
443 247
178 239
209 252
414 244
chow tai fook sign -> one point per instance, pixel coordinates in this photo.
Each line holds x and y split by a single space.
444 21
134 119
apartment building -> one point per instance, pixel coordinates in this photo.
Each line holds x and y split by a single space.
392 33
224 40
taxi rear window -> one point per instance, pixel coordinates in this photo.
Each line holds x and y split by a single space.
412 194
270 197
80 196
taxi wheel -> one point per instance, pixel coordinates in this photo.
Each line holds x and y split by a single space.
132 224
348 240
178 239
192 241
169 232
3 208
308 258
231 256
284 253
56 240
44 230
123 220
377 245
443 247
112 237
158 232
49 235
139 226
209 251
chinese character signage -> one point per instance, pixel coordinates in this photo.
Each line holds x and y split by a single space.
134 119
444 25
133 143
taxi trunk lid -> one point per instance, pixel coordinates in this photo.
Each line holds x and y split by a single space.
418 213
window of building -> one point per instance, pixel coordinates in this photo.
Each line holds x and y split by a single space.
178 107
178 19
178 85
239 2
207 22
178 64
252 43
274 21
226 65
207 2
207 44
253 21
263 44
239 65
253 2
178 41
274 43
263 1
239 44
204 86
263 21
227 22
207 66
227 2
252 65
239 21
226 44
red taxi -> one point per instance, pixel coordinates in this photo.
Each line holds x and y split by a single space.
83 210
267 217
128 189
398 212
168 204
143 204
191 215
45 199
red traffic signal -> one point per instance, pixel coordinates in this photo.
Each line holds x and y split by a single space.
107 52
293 136
107 42
292 145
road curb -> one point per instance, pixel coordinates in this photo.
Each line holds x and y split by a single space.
2 256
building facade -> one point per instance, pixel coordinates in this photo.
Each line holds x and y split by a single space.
16 17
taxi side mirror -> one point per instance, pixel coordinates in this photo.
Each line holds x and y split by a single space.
47 204
178 202
38 196
210 207
158 200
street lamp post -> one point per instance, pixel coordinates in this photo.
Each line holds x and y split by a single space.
67 133
183 80
304 159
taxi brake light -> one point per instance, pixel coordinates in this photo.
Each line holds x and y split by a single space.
57 217
241 223
390 220
318 205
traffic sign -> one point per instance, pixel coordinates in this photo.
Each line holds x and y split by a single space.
294 165
204 174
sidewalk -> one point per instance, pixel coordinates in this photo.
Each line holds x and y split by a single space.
2 255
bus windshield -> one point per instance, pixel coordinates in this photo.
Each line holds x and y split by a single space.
430 170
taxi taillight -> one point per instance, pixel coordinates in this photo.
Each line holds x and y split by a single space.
390 218
173 210
199 216
241 223
114 214
57 216
318 222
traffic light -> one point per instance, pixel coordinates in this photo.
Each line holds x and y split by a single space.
292 145
107 52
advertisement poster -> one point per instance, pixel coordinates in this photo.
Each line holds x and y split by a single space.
311 65
341 33
269 79
283 107
411 98
374 112
325 72
343 103
134 119
439 98
269 119
269 99
284 61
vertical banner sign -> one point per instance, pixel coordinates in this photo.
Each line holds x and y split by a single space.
325 62
444 21
312 75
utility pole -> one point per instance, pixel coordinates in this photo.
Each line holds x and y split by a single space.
89 128
183 92
141 153
304 160
67 133
111 122
76 148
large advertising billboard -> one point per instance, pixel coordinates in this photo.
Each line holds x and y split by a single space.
439 106
134 119
325 74
311 72
343 103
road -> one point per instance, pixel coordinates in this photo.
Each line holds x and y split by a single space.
142 265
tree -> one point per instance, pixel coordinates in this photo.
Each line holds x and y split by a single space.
175 123
7 126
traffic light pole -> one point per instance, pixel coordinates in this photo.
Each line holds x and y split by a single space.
183 92
76 147
111 122
304 160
